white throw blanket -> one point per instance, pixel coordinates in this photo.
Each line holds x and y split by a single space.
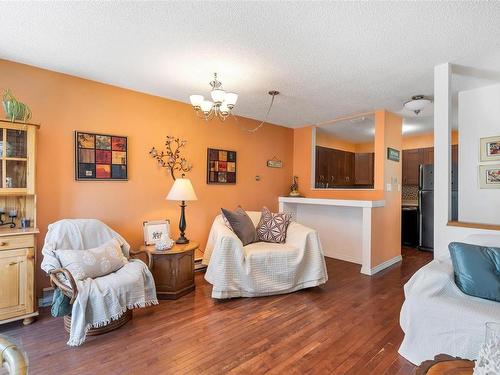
103 299
437 317
262 268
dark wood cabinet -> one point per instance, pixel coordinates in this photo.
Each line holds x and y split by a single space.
413 158
411 162
337 168
427 155
363 168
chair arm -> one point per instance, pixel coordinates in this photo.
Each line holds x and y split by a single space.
133 254
13 357
70 291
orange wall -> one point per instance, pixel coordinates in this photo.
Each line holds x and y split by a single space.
62 104
303 165
325 140
386 221
424 140
386 244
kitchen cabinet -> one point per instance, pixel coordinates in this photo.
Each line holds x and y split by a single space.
363 168
411 163
343 169
413 158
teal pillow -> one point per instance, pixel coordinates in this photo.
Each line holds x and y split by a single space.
477 269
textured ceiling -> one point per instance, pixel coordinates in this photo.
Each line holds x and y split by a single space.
328 59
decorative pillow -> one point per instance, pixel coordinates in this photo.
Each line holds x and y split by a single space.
241 224
272 227
95 262
477 269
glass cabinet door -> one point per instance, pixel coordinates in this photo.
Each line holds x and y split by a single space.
14 159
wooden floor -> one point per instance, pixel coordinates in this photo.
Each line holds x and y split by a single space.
348 326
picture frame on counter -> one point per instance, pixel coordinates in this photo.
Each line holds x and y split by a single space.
156 231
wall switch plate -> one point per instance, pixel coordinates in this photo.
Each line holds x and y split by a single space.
389 187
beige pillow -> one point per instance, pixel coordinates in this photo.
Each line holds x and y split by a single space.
95 262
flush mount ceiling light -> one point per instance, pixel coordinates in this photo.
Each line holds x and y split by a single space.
417 103
222 104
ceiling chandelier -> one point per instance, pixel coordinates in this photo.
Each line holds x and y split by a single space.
417 103
220 106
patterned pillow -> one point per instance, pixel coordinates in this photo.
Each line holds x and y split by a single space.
95 262
272 227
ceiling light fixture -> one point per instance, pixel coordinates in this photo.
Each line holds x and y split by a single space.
220 106
223 104
417 103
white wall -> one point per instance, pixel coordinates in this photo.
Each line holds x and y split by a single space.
443 233
478 117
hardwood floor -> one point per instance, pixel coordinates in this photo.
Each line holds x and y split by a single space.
348 326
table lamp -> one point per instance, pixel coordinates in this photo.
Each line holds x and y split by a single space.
183 191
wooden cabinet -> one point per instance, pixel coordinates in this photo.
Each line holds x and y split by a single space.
173 270
412 159
363 168
17 202
427 156
337 168
17 270
411 163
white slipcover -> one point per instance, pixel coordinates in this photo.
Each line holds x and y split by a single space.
437 317
262 268
106 298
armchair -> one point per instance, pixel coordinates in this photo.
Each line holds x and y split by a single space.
262 268
104 303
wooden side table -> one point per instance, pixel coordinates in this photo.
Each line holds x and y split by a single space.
173 269
444 364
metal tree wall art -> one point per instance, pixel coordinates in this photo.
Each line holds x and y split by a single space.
171 158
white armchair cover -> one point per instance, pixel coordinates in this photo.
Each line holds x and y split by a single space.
106 298
437 317
262 268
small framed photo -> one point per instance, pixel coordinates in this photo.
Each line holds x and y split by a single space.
489 176
156 231
490 149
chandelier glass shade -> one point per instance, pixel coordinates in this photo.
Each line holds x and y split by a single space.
220 106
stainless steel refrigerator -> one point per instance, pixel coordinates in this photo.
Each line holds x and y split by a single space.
426 207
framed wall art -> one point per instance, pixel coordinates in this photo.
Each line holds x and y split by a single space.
490 149
100 157
489 176
221 166
156 231
392 154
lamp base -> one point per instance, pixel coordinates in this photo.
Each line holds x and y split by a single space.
182 240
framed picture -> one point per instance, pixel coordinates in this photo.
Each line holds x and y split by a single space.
221 166
490 148
392 154
156 231
489 176
100 157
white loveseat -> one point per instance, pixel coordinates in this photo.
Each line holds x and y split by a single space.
437 317
262 268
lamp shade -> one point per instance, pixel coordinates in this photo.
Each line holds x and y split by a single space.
182 190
